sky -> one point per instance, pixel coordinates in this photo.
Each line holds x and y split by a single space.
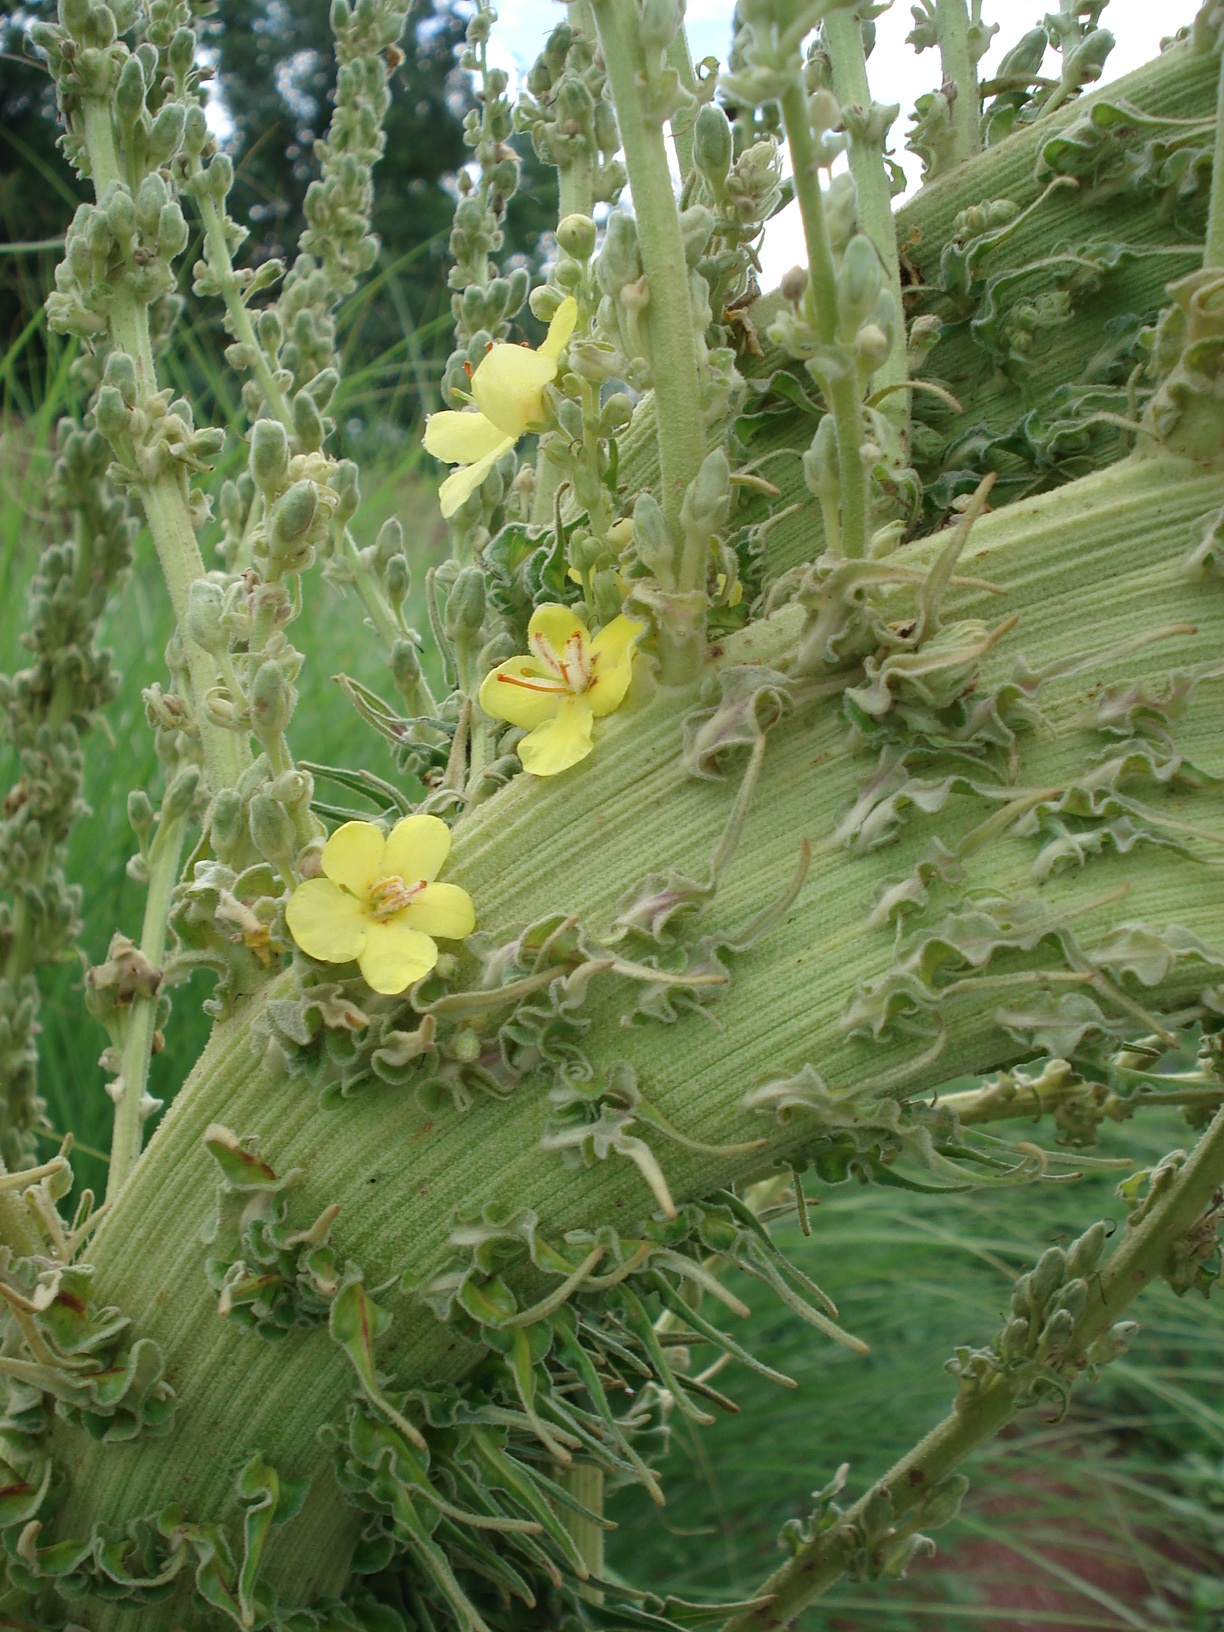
896 73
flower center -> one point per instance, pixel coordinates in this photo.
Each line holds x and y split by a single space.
391 895
573 664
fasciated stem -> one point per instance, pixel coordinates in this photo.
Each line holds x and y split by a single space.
1139 1259
165 855
1213 253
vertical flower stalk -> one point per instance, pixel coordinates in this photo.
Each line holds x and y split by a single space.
867 124
642 107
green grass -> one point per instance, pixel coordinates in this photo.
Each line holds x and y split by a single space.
1115 1515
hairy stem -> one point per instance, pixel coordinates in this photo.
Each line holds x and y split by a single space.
164 497
960 71
843 34
1138 1260
674 362
165 854
821 299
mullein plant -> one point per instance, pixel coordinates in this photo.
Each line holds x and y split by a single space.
818 705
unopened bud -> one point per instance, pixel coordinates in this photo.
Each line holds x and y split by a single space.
140 813
271 828
296 511
269 461
272 701
794 284
465 606
204 607
180 795
654 544
308 422
712 144
390 542
398 580
120 372
406 666
858 282
576 236
227 823
820 464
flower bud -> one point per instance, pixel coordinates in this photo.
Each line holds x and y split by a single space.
130 92
180 795
654 544
271 829
167 132
712 144
111 413
696 229
272 701
1046 1277
195 130
140 814
406 666
172 230
269 460
794 284
576 236
120 372
121 215
204 608
1084 1256
659 22
858 282
820 466
181 52
465 607
398 580
390 542
227 822
296 510
615 414
308 422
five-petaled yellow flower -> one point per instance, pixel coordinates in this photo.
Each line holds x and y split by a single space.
508 391
568 682
377 902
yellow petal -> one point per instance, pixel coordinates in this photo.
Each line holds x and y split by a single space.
326 922
459 486
560 329
560 743
508 387
352 855
559 640
441 909
612 663
523 691
461 439
395 956
416 849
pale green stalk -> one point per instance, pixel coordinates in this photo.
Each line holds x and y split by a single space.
675 368
165 854
843 35
821 303
680 58
959 69
1140 1258
165 505
222 268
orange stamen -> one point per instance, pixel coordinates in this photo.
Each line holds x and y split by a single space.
532 685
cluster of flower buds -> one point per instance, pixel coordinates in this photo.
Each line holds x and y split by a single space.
47 708
567 111
1034 1350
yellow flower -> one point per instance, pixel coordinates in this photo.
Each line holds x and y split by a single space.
377 902
508 391
568 682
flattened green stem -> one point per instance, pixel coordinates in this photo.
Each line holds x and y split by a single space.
165 854
821 300
959 69
1031 1101
1213 255
843 34
1138 1260
164 498
675 367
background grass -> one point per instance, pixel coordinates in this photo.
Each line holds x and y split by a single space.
1112 1518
